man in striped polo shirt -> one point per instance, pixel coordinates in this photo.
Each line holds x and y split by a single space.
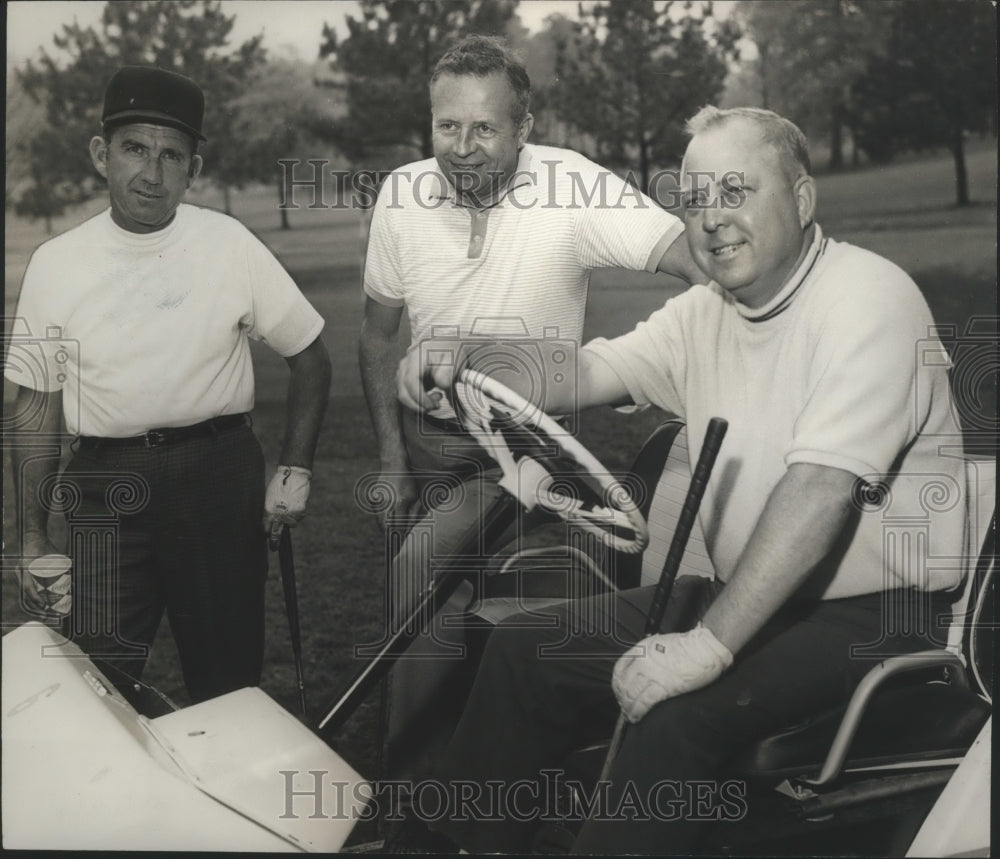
492 237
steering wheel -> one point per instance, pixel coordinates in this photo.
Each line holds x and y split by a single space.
543 465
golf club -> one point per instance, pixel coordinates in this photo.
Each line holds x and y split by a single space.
497 519
287 564
699 480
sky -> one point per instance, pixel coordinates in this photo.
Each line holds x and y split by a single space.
288 25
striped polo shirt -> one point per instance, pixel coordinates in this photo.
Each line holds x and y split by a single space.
520 267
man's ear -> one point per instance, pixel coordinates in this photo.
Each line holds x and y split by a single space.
195 171
525 130
99 154
805 199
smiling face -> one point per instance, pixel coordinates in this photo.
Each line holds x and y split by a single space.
746 211
148 168
476 142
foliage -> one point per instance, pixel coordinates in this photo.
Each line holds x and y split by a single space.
809 55
635 70
388 56
934 81
284 116
188 36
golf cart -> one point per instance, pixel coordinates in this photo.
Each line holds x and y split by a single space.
902 769
222 772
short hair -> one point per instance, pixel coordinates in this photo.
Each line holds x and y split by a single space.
783 134
482 56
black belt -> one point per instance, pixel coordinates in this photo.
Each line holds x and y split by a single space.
168 435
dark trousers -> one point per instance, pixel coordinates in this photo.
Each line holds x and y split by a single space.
175 527
544 690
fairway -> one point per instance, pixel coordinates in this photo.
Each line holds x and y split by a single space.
902 211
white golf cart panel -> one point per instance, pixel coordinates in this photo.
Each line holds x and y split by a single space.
959 823
83 771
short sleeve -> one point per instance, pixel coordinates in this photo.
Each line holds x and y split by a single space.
620 227
862 409
383 278
38 349
650 360
282 316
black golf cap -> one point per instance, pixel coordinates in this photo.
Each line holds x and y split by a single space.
148 94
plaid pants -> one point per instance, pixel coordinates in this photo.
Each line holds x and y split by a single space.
176 527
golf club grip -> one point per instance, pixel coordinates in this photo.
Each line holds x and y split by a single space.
714 435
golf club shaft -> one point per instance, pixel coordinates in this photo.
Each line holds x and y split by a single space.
685 522
497 519
286 561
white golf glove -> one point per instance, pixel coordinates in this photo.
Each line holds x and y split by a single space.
285 501
666 665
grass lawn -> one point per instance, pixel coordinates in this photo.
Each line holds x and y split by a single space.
902 211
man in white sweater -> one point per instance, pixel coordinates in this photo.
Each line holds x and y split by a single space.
808 347
134 339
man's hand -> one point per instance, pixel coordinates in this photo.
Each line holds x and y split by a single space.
416 381
664 666
285 501
35 545
404 495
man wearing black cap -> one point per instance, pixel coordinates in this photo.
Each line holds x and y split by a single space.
139 321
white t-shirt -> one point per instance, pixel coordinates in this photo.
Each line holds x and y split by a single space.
151 330
521 267
829 372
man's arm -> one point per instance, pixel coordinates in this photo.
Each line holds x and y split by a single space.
596 385
31 470
804 515
677 261
799 526
308 392
378 355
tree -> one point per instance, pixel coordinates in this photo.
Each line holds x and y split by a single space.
809 55
934 83
188 36
635 71
388 57
283 116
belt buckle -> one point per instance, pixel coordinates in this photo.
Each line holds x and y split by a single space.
154 438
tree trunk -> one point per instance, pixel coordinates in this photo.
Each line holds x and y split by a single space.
961 177
285 225
227 202
837 136
765 90
644 163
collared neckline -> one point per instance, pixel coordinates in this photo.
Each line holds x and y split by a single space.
443 190
780 302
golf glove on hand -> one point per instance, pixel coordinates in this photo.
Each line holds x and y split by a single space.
666 665
287 493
